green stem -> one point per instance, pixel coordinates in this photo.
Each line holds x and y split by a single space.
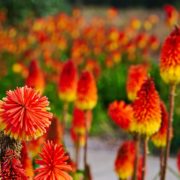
64 116
86 142
161 160
145 150
77 153
168 138
136 139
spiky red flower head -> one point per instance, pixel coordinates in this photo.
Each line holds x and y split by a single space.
178 161
86 92
121 114
24 114
53 163
26 161
124 162
159 138
35 78
68 82
11 167
136 76
55 131
147 112
170 58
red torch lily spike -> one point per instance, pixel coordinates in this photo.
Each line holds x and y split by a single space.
170 73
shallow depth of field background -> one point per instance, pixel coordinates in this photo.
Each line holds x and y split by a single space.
17 19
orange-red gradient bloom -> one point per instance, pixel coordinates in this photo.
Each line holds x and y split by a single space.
147 111
68 82
171 15
80 120
159 138
170 58
86 92
11 167
121 114
24 114
35 78
53 164
136 76
124 162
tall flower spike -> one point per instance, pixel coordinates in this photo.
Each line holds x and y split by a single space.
11 167
124 162
24 114
86 92
68 82
121 114
53 164
147 112
159 138
170 58
136 76
35 78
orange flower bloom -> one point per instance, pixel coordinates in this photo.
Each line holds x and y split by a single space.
136 76
86 92
77 138
11 167
68 82
159 138
26 161
35 78
178 161
53 163
153 42
171 15
24 114
121 114
170 58
80 119
55 131
124 162
147 110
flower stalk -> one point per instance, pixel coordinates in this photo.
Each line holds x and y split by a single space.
168 138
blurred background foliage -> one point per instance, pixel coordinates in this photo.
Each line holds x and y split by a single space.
112 82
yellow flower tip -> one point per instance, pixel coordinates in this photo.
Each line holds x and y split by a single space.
67 96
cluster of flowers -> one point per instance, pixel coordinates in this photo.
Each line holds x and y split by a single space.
53 37
147 116
25 120
25 117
